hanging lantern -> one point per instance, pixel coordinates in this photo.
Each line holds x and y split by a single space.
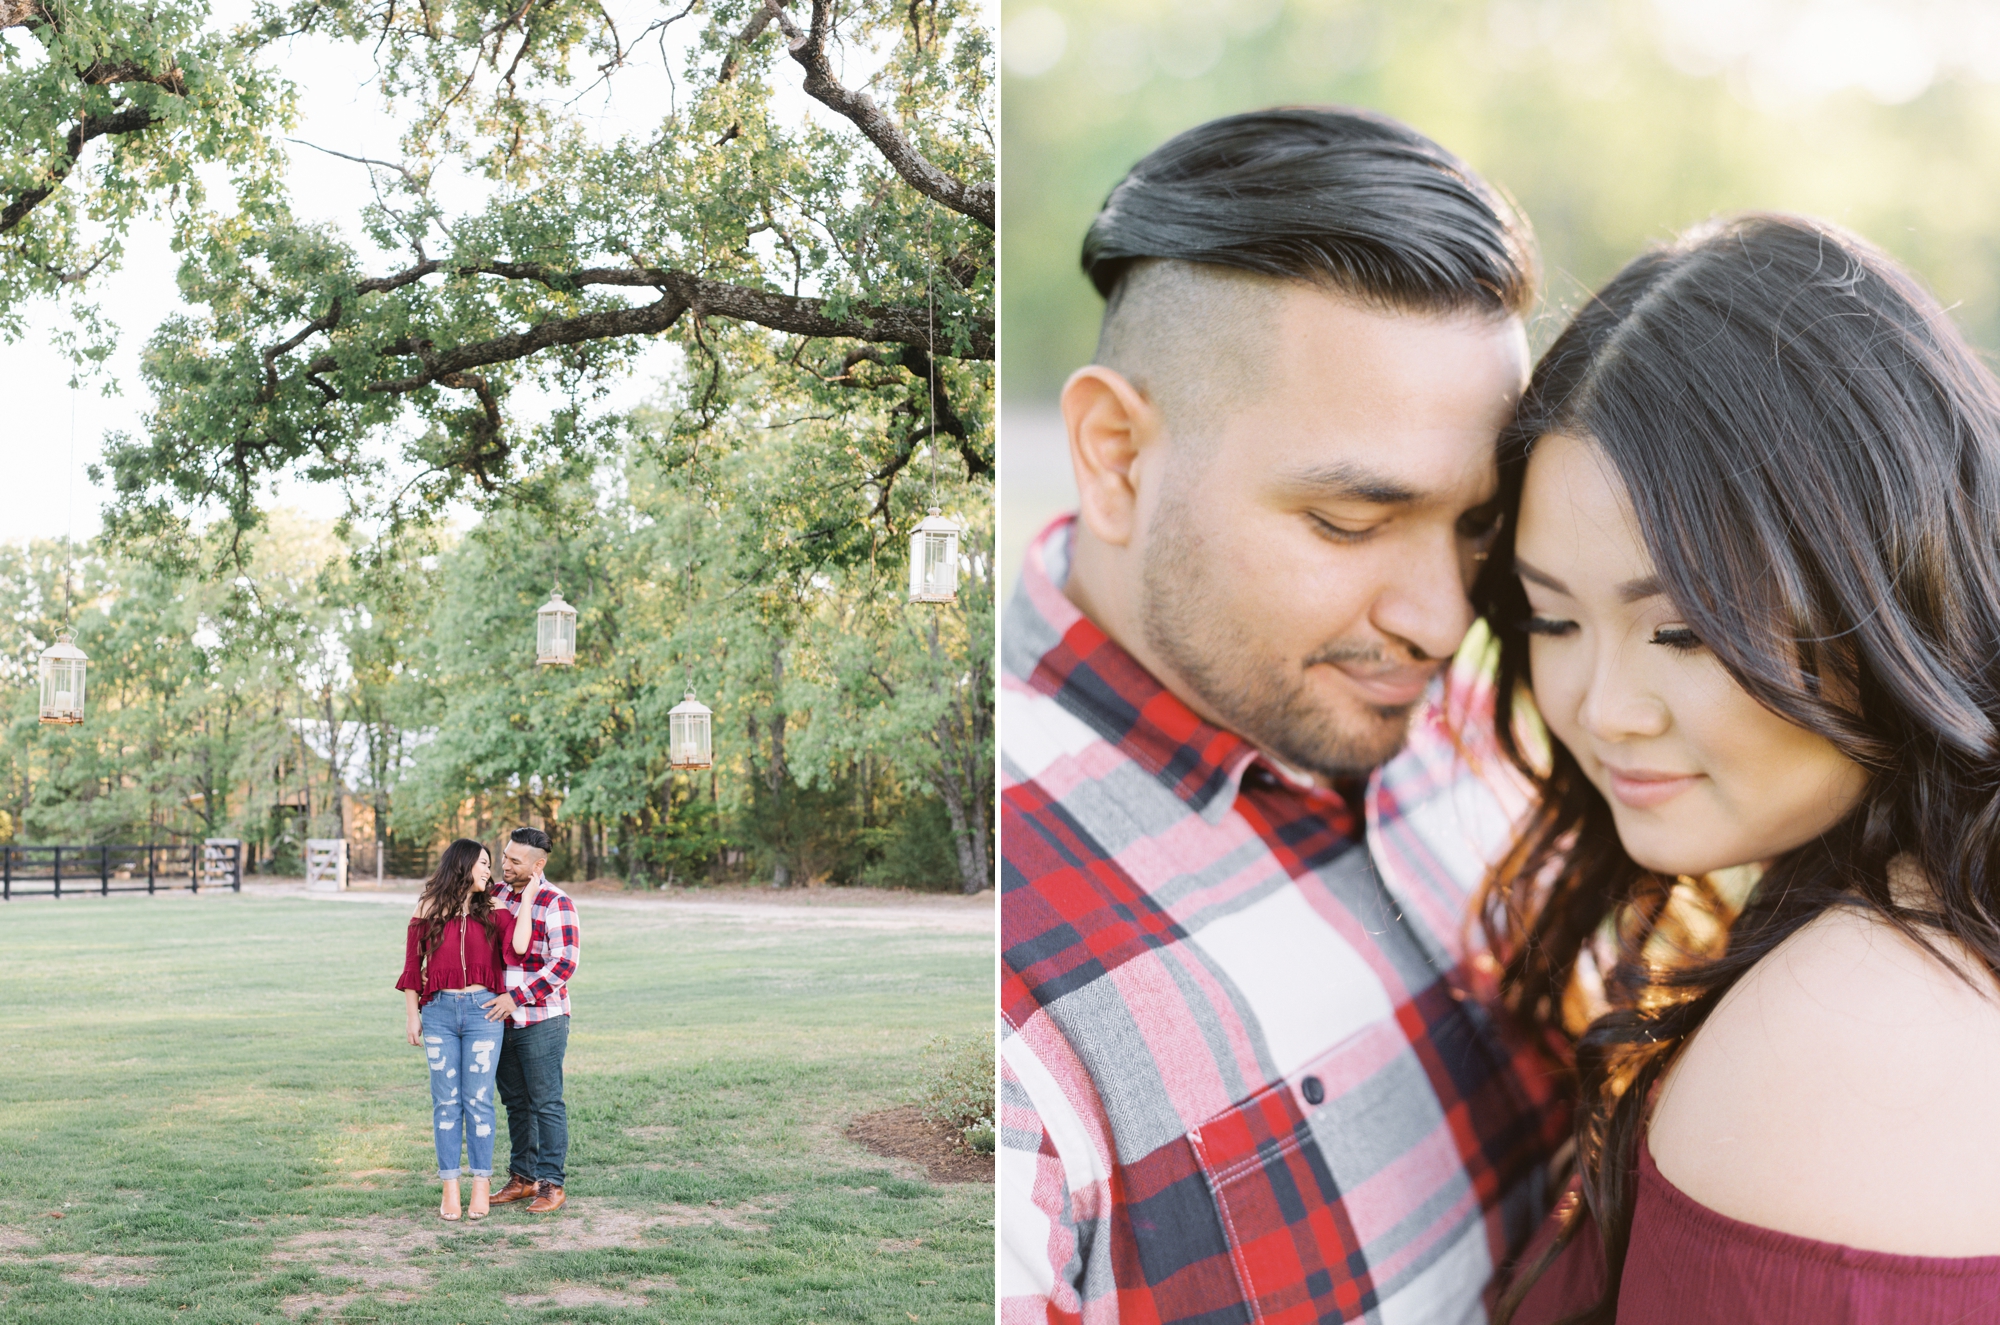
62 681
555 633
689 744
934 560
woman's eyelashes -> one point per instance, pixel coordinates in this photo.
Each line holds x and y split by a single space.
1678 638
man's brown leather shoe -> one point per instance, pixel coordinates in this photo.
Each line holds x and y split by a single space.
550 1200
518 1188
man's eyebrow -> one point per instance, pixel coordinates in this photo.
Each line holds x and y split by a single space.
1346 480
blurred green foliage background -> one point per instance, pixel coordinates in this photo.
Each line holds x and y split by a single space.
1614 124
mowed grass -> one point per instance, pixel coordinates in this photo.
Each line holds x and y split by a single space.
216 1096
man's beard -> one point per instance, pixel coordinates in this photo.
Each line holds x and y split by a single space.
1185 616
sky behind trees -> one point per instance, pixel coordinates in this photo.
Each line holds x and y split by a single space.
340 107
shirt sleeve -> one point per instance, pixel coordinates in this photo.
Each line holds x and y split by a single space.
413 958
557 933
1040 1260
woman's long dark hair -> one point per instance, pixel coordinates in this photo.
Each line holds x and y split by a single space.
443 897
1813 454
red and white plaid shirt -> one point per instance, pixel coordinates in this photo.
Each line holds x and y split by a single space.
539 983
1244 1073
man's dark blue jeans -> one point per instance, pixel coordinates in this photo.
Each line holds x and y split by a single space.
531 1086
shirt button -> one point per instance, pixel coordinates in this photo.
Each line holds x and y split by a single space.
1312 1090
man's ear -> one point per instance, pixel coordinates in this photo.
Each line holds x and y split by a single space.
1110 425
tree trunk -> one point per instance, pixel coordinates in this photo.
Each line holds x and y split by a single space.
971 878
776 776
961 783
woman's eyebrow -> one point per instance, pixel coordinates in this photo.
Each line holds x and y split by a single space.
1631 591
1533 576
1646 586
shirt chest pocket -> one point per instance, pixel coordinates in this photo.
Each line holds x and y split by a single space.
1291 1244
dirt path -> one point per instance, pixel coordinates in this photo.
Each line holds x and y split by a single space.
804 908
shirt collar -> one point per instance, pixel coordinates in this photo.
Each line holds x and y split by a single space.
1049 644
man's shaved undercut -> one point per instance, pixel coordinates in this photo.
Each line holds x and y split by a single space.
1194 248
1192 337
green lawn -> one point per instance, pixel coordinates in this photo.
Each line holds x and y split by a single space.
216 1095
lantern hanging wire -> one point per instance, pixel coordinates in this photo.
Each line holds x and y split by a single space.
61 668
934 543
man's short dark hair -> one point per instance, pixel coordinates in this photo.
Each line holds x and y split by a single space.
531 837
1323 194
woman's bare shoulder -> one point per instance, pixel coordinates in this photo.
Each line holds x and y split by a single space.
1844 1091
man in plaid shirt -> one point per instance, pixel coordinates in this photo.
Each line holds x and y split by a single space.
1247 1072
536 1004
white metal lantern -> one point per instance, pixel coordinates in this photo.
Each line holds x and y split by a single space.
934 560
555 633
62 671
689 743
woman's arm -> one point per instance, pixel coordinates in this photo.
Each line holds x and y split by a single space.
524 922
415 1028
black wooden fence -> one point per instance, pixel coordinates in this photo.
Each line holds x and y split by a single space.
71 871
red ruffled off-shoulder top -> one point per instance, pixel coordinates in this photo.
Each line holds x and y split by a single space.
467 954
1689 1265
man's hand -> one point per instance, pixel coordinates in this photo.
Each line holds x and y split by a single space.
416 1029
500 1008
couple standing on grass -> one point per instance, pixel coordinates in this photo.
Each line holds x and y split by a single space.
486 974
1331 972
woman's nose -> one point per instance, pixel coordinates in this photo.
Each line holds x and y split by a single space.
1617 707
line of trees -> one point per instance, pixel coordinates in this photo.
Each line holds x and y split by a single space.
853 729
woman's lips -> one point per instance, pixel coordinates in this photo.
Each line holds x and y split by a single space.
1642 789
1395 686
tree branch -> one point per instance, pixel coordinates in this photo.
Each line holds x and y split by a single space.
487 443
23 14
100 74
809 49
325 322
129 120
680 293
753 29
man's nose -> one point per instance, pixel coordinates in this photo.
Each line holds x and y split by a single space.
1422 600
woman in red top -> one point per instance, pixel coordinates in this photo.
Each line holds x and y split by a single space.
451 971
1750 567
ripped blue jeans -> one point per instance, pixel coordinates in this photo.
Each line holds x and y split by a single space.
464 1049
